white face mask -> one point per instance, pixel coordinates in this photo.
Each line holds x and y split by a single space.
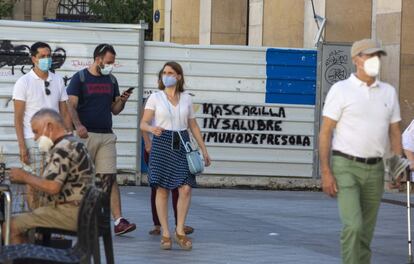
372 66
44 143
107 69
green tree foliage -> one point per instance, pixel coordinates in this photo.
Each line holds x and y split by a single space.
6 8
123 11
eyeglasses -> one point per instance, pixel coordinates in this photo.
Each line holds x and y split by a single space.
47 90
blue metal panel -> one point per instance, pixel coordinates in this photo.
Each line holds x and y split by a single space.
290 86
291 76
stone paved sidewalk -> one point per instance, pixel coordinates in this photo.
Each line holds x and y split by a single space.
249 226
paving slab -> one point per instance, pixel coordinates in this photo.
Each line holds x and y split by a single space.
257 226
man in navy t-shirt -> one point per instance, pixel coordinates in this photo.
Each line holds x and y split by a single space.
93 98
95 94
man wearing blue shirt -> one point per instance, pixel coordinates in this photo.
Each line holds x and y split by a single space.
93 98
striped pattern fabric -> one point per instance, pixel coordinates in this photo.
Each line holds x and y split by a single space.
168 168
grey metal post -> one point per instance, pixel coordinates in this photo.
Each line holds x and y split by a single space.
318 109
7 217
321 28
338 56
143 27
410 251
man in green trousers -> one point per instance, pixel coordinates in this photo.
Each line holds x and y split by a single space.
361 115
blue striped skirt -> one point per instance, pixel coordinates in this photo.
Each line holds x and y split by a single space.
168 168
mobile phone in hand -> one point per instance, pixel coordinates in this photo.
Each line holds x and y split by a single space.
175 142
130 89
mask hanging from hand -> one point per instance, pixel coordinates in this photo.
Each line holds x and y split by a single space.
372 66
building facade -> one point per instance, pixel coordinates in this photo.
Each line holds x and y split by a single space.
40 10
273 23
292 24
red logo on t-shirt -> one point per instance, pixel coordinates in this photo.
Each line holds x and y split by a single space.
99 88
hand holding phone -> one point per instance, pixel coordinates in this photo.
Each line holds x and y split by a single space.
130 89
125 95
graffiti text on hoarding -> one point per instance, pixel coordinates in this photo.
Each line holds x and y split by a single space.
245 110
247 124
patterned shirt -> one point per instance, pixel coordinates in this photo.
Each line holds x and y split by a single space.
69 163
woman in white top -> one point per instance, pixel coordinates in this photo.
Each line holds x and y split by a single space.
167 113
156 230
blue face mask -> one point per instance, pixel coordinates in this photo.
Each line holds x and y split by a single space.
44 64
168 80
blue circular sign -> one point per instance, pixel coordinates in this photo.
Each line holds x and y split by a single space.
157 16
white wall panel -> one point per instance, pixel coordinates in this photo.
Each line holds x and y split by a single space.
79 41
235 77
219 77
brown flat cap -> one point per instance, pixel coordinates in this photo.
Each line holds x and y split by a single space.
366 46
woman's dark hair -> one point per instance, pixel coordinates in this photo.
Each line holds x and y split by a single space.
160 84
102 49
178 69
38 45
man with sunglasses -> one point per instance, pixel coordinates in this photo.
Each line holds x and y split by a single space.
33 91
93 98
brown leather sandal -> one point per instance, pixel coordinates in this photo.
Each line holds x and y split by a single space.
156 231
183 241
188 230
166 243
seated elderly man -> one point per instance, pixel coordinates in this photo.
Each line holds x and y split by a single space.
68 172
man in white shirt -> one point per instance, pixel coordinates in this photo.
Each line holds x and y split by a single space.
35 90
361 113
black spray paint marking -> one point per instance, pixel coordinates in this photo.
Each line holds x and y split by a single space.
335 66
246 110
242 125
19 55
218 121
257 139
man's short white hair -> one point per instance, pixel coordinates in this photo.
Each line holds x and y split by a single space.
48 113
